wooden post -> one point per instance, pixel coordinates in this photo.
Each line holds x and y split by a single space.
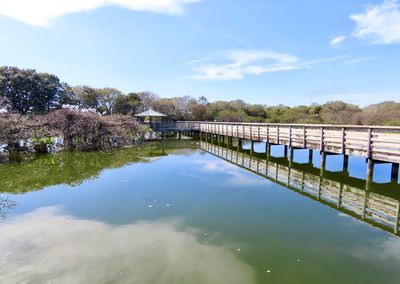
370 170
395 172
304 137
285 151
252 147
291 157
343 141
258 129
322 139
345 163
369 149
323 163
290 136
310 156
277 133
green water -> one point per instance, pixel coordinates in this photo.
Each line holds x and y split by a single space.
193 212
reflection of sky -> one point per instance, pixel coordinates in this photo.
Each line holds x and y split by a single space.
47 245
237 175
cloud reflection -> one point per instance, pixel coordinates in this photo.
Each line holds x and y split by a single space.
238 176
47 245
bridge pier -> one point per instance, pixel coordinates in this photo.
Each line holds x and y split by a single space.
370 170
285 151
394 175
346 163
310 156
323 163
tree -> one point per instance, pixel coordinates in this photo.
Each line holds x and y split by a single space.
85 97
127 105
25 90
106 99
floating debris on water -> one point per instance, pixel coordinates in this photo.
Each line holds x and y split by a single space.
268 271
150 206
239 249
168 205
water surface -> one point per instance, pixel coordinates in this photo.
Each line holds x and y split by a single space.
193 212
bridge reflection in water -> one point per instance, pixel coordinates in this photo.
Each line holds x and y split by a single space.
376 204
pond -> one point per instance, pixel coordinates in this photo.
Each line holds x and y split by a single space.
194 212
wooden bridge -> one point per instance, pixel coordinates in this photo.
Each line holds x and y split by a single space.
377 144
348 197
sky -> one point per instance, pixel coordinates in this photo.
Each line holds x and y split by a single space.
261 51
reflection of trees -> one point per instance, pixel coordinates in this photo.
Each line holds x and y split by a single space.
72 168
5 204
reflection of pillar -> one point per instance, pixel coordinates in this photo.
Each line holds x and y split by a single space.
364 204
285 150
319 188
396 223
179 135
252 147
240 143
340 195
395 172
268 150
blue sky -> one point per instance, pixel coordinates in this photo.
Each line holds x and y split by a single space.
261 51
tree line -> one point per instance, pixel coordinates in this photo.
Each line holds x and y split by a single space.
26 91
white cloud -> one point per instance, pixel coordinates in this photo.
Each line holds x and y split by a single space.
362 59
41 12
239 63
48 246
236 64
380 23
335 42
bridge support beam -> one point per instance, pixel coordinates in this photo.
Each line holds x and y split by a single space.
323 163
395 172
310 156
370 170
346 163
285 151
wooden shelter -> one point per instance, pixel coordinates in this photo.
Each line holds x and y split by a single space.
151 117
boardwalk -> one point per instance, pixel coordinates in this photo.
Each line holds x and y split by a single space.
377 209
377 144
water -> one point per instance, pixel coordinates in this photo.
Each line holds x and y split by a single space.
185 212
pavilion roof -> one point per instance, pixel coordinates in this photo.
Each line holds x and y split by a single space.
150 113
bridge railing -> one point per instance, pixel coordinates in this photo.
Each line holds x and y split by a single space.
374 142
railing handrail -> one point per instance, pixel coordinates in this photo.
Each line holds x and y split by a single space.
297 124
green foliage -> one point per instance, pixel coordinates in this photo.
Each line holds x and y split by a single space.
25 90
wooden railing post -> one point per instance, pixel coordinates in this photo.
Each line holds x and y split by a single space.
304 137
369 149
322 139
343 138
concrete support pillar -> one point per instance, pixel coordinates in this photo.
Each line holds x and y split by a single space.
268 150
323 163
346 163
285 151
310 156
370 170
395 173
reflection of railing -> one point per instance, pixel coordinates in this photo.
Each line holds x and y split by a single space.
173 126
377 209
